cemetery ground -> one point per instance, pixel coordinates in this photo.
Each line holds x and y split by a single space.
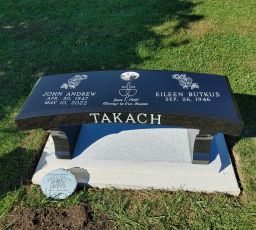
40 38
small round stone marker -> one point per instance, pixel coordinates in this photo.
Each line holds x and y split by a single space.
58 184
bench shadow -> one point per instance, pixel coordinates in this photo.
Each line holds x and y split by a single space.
91 134
16 168
99 131
247 107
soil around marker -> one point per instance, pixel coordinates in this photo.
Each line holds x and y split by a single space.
72 217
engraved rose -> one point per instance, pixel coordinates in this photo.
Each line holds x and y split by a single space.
74 81
185 81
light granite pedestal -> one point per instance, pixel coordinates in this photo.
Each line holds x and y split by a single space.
128 157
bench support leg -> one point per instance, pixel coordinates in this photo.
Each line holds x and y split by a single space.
202 147
65 138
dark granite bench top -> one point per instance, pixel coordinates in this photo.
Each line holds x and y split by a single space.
181 99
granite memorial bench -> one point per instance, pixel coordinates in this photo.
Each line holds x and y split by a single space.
61 104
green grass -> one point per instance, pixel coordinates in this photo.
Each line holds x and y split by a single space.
53 37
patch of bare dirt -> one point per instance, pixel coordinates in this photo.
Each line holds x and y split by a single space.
202 28
72 217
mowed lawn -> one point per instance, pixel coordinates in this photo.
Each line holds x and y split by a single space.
48 37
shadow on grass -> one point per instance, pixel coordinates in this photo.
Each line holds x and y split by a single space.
48 38
18 166
15 169
247 107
